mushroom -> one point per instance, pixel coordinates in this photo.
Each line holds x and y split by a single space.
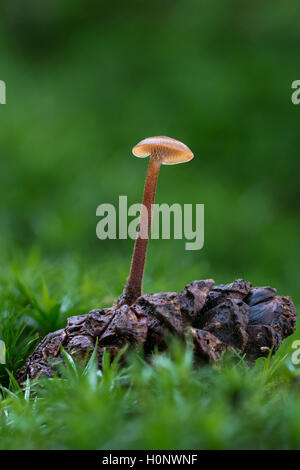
162 151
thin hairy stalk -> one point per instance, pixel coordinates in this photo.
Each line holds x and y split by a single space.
133 288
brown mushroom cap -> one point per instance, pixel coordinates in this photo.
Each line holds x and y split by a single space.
169 151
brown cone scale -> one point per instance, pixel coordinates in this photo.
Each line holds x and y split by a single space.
253 321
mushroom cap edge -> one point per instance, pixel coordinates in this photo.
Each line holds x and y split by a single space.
171 151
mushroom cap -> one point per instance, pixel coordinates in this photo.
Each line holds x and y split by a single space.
169 151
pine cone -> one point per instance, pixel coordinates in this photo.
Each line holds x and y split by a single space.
254 321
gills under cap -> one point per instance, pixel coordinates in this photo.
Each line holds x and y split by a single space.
169 151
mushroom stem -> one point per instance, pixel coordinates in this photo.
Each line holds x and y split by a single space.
133 287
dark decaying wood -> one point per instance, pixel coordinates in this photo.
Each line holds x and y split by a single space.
212 318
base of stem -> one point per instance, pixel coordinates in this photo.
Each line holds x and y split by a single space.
128 296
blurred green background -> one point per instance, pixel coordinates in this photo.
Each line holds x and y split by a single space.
87 79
